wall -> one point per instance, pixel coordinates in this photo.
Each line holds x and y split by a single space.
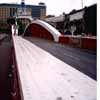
89 43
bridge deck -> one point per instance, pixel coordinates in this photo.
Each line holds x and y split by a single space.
44 77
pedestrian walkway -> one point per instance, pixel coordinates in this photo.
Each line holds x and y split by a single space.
45 77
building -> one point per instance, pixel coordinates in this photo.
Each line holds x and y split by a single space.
77 21
90 18
57 22
12 10
83 20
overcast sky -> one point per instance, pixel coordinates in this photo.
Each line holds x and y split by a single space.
56 7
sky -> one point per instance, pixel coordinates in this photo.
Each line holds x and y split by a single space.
57 7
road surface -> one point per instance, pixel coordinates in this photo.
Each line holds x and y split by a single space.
45 77
84 61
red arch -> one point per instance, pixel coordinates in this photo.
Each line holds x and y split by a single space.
36 30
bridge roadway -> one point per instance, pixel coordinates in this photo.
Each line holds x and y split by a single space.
45 77
77 58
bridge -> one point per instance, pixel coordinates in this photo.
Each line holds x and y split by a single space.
39 75
42 29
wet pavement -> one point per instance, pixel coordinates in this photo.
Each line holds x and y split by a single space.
82 60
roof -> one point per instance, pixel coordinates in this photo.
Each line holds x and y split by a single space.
19 5
76 11
55 19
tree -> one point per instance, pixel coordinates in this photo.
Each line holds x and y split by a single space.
21 27
11 21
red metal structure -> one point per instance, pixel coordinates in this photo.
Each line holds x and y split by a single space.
36 30
39 28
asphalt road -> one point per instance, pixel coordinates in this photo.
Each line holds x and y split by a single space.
84 61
